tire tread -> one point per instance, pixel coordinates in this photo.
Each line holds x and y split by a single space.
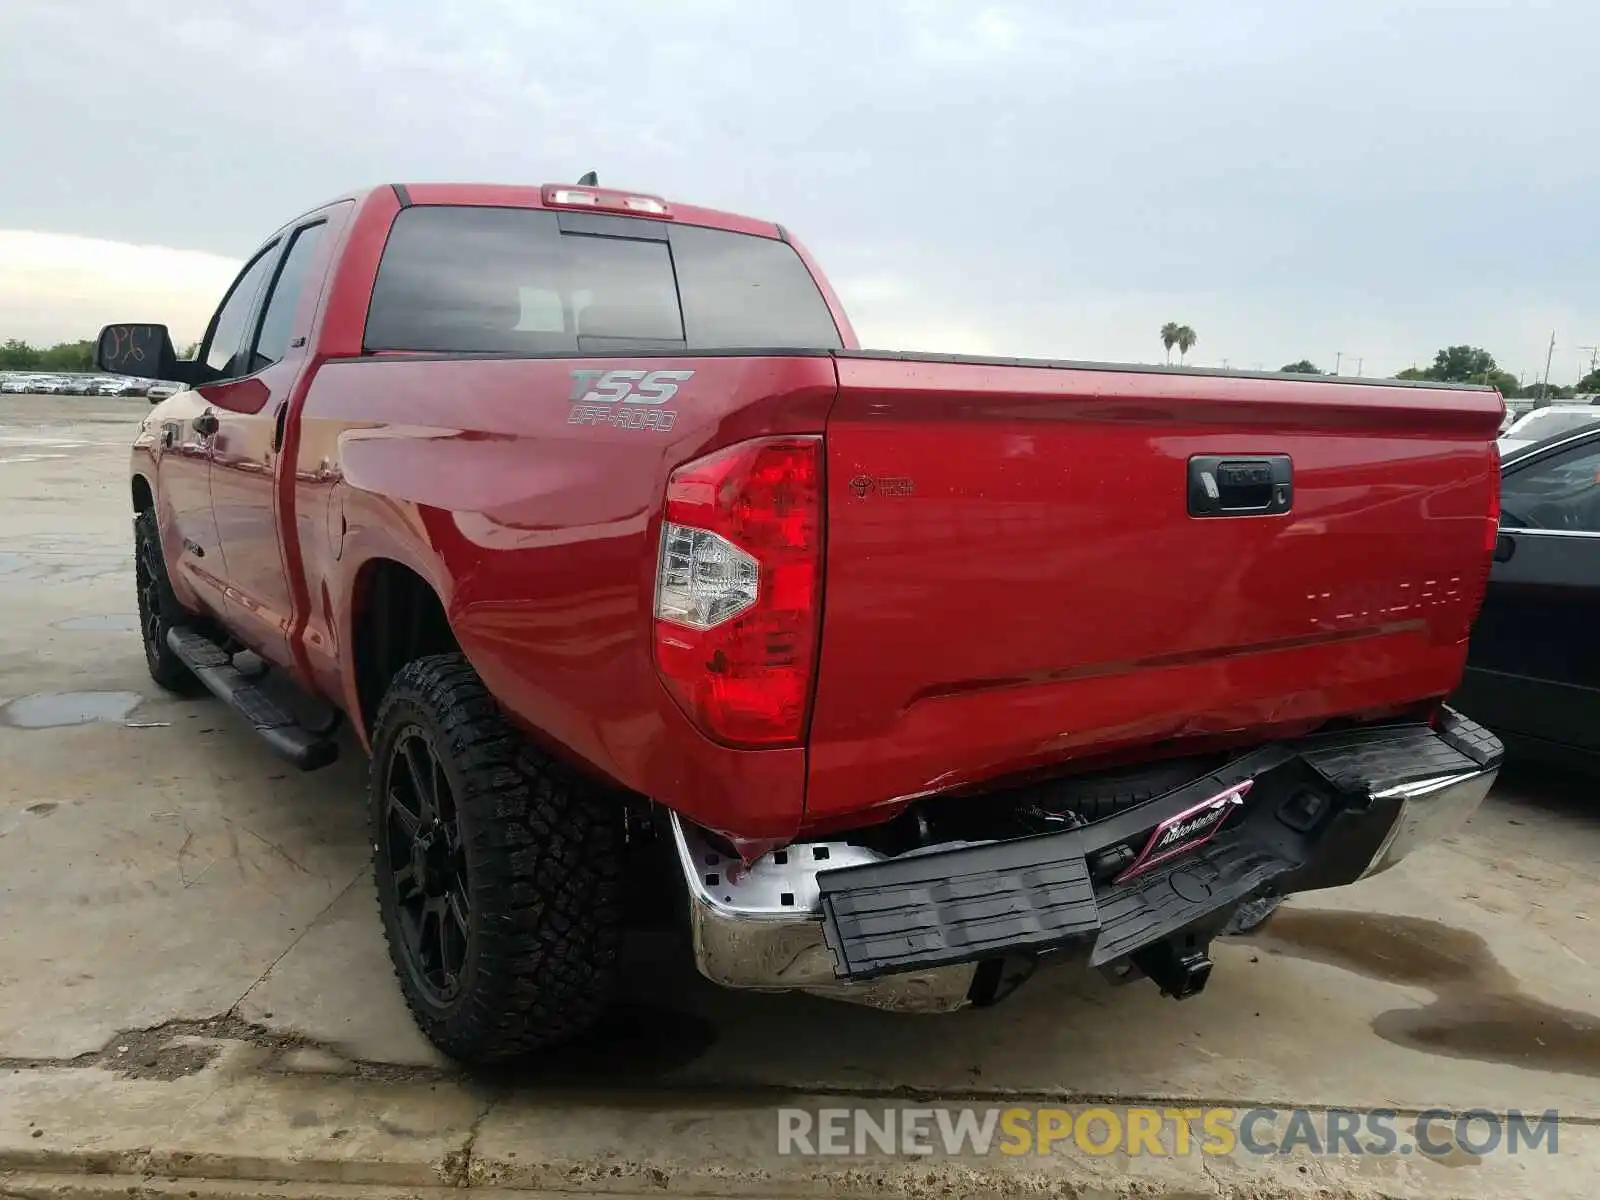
543 852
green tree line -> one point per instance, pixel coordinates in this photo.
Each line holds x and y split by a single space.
1453 364
1473 364
17 355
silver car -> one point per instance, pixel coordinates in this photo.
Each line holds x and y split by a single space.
1542 424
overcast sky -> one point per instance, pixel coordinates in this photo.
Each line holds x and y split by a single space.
1293 178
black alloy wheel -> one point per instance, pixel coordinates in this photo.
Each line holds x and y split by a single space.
159 611
428 867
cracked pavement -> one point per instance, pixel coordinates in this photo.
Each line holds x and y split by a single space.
193 984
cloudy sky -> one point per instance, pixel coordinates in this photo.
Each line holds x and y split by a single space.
1293 178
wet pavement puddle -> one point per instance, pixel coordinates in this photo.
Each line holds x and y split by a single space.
52 710
1478 1012
102 623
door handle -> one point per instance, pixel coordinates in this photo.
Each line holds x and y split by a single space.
206 424
277 426
1504 547
1234 487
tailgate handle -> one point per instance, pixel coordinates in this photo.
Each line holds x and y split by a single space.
1230 486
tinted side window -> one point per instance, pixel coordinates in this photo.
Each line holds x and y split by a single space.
277 323
1560 493
510 281
223 354
740 291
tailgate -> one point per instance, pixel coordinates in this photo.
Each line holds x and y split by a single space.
1014 576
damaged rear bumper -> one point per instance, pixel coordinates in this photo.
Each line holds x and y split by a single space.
1140 893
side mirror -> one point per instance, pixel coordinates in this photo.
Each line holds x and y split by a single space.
144 352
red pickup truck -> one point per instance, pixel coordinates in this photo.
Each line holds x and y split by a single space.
616 552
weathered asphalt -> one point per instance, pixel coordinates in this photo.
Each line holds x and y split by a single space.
194 995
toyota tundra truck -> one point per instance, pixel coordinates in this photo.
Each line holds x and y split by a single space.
631 573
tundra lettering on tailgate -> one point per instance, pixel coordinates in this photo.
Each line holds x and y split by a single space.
626 399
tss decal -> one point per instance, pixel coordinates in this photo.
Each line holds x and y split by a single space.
595 393
628 387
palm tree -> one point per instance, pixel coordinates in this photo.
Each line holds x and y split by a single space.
1169 338
1186 338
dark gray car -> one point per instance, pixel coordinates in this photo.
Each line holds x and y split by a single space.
1533 667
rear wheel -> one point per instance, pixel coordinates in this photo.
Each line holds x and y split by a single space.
498 872
159 611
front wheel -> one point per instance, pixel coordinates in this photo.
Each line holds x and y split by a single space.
159 610
498 873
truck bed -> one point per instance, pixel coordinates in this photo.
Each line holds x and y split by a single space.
1014 576
1011 578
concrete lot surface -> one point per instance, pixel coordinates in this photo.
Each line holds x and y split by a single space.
194 995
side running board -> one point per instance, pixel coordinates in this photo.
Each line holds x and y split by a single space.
213 666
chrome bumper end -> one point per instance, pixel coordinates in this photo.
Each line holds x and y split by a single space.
759 928
1430 809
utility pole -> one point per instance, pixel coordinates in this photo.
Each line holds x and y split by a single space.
1594 357
1338 357
1359 361
1544 388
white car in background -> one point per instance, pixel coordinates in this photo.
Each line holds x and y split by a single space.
1544 423
31 384
121 387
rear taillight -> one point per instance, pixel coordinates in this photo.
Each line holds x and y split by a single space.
738 589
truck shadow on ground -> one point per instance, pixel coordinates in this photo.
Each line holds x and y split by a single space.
1552 793
1478 1012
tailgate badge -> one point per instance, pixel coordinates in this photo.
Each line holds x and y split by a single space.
1187 830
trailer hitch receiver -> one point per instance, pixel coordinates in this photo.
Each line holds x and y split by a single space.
1179 971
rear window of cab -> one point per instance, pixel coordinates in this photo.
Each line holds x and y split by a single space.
460 279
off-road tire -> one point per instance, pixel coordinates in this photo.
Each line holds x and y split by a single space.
542 856
159 610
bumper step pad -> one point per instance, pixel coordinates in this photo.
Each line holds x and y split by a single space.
914 912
